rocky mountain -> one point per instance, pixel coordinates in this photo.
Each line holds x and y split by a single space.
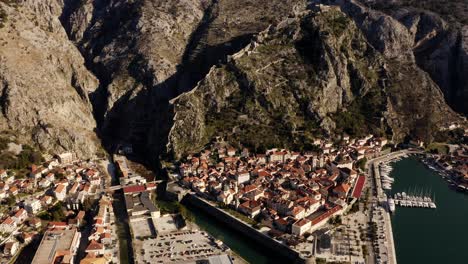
44 84
169 76
148 52
311 75
434 32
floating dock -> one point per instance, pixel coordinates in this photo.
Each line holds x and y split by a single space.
405 200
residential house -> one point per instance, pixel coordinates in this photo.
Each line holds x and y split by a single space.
95 247
277 156
20 216
8 225
250 208
242 177
32 205
231 152
60 192
13 190
11 248
3 173
46 200
342 190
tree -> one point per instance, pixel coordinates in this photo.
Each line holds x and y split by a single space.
362 163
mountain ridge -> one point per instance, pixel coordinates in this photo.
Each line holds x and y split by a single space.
124 68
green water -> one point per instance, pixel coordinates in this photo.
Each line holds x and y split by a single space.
249 250
427 235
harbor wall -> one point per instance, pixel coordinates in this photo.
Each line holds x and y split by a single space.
244 228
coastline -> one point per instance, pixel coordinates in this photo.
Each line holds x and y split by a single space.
444 174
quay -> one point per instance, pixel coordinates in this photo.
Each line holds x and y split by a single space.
382 199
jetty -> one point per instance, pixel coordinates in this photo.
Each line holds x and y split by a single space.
410 200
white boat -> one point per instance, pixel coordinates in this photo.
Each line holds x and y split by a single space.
390 179
391 205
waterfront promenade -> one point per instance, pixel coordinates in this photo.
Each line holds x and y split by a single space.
373 170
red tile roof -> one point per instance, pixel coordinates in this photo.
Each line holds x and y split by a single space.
357 192
93 245
325 215
134 189
302 222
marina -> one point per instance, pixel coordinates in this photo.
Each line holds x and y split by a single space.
422 236
416 199
385 170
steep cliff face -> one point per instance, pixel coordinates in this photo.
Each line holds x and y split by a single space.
148 52
305 78
422 32
43 82
134 48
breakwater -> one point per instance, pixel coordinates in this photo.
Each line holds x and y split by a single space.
253 234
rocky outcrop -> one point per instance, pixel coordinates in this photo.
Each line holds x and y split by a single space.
405 30
385 33
43 82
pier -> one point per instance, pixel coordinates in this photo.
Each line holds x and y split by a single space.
402 199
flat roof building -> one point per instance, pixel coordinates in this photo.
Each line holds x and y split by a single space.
58 246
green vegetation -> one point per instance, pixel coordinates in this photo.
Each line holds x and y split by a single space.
10 200
23 160
320 261
354 208
362 163
337 22
262 125
55 213
3 14
336 221
173 207
437 148
273 48
365 198
240 216
387 146
362 116
373 230
3 17
365 251
455 136
3 143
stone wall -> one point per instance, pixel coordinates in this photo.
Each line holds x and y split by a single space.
244 228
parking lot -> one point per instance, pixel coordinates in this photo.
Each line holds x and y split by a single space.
180 247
